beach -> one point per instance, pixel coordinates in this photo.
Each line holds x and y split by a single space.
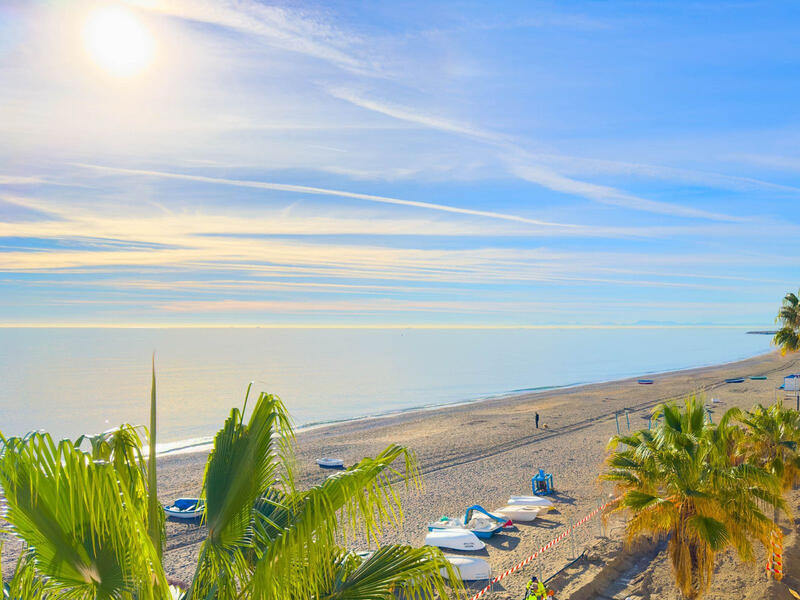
481 453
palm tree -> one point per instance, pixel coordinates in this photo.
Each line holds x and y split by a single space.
85 519
788 336
680 480
772 441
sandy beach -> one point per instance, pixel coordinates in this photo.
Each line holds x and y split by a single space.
483 452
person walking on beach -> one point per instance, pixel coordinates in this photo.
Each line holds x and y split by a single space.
537 420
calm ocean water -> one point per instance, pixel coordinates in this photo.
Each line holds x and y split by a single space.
72 381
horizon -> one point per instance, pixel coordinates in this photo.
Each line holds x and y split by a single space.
439 166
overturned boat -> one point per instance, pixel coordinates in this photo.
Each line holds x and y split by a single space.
519 512
545 503
469 568
454 539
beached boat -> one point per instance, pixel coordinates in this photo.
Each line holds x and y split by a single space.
483 527
185 508
519 512
735 380
469 567
545 503
454 539
330 463
645 382
758 377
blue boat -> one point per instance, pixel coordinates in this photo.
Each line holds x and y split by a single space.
645 382
735 380
185 509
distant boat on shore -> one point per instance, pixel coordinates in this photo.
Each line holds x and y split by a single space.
761 332
735 380
645 382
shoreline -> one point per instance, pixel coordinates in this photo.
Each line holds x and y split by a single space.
483 452
204 444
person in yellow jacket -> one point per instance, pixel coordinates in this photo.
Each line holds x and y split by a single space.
535 590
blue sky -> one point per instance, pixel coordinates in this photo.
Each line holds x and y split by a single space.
401 163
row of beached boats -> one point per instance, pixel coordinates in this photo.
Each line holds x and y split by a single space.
467 534
463 534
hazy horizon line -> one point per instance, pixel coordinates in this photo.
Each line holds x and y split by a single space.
362 326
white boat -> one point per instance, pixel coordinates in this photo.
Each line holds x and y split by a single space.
455 539
469 567
483 527
330 463
532 501
519 512
185 508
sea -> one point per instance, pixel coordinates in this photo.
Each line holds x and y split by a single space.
71 381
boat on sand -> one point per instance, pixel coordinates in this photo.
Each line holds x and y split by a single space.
545 503
469 567
185 509
519 512
454 539
330 463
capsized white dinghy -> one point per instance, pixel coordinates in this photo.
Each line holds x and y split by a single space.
519 512
455 539
532 501
469 567
330 463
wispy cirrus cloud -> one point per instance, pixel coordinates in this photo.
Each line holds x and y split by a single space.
292 29
19 180
521 162
304 189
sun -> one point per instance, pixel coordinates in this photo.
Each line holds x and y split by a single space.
117 42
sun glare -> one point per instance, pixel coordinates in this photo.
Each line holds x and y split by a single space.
118 42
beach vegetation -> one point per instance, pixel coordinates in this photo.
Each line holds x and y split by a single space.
686 480
787 338
84 512
772 441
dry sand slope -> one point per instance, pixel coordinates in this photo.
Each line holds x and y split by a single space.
481 453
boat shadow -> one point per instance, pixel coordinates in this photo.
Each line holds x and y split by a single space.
544 523
501 541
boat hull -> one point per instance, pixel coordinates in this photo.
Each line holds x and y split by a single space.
454 539
469 568
519 512
545 503
185 509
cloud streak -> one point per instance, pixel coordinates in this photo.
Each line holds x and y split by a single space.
304 189
521 162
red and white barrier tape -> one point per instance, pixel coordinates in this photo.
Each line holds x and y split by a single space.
544 548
